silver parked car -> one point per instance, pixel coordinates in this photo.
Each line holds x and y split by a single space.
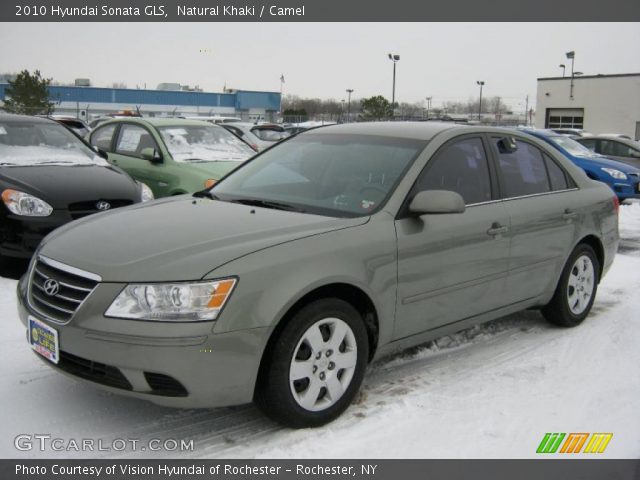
336 247
614 146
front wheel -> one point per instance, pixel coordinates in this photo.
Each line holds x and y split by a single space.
576 291
315 366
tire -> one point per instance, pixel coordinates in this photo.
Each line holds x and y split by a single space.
576 290
315 367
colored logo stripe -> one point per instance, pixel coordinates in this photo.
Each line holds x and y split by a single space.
598 442
574 442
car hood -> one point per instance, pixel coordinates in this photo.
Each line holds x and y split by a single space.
606 162
60 186
179 238
215 170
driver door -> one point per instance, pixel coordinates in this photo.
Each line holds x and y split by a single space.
130 142
453 266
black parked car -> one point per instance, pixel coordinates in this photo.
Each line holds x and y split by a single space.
49 177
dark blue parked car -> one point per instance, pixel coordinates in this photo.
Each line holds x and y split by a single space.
622 178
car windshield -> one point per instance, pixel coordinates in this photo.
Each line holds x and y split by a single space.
203 143
327 174
571 146
28 143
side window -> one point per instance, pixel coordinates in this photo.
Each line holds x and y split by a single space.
617 149
590 144
523 171
461 167
101 138
133 139
557 177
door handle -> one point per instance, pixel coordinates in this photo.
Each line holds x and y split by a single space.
569 214
497 229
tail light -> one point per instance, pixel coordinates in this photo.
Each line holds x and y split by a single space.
616 204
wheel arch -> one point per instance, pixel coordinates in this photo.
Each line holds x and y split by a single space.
350 293
595 243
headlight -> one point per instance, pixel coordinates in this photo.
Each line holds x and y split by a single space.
172 302
22 203
617 174
146 195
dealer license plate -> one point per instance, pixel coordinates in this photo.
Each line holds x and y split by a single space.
44 340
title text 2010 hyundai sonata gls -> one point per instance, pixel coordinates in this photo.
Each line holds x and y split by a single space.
331 249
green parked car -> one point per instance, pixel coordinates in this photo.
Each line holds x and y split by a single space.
172 156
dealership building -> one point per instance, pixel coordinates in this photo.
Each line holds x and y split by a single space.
91 102
596 103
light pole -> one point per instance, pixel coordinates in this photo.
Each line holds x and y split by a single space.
481 83
428 106
394 58
562 66
571 56
349 91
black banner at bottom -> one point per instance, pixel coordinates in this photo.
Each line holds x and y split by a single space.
543 469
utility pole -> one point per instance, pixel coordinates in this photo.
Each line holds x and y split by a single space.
481 83
428 106
526 110
349 91
571 56
394 58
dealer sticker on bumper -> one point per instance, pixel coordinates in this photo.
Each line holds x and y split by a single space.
44 340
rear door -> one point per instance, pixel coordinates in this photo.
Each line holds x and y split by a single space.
452 266
540 199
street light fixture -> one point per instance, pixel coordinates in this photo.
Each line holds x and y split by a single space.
481 83
428 106
349 91
571 56
563 67
395 59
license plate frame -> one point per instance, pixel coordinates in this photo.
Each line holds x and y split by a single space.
44 339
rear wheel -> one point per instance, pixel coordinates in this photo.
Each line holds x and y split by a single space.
576 289
315 366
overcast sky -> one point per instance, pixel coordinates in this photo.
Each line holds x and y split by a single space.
441 60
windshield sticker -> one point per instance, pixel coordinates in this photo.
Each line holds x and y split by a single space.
2 130
367 204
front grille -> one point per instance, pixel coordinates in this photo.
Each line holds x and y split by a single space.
93 371
165 385
82 209
73 288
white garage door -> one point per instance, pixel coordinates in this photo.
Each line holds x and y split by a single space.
565 118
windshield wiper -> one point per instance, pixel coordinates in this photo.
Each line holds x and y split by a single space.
206 194
256 202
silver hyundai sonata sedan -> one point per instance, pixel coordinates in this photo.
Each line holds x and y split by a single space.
340 245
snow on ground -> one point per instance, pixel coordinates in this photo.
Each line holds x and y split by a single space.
489 392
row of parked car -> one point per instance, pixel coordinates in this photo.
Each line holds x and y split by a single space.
49 176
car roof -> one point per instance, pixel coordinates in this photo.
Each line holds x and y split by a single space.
12 117
415 130
605 136
159 122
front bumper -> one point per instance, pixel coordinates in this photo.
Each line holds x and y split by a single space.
20 235
626 190
177 365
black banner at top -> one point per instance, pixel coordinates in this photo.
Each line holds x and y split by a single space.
317 10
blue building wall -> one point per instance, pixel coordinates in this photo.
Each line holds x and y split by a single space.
240 100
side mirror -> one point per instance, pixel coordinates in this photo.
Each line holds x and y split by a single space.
151 154
101 153
507 145
437 202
